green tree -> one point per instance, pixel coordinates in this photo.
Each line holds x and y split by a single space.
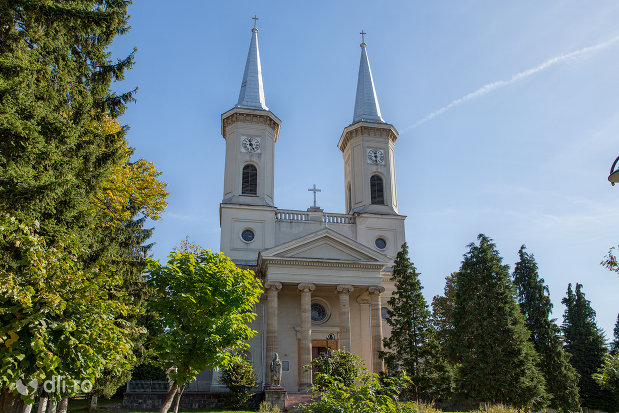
412 345
607 377
343 366
205 304
239 378
586 343
533 296
442 311
614 346
57 318
497 361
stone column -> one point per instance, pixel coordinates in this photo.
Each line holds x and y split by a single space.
305 349
377 327
343 292
272 290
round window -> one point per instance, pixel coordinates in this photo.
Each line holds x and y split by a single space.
380 243
319 313
247 235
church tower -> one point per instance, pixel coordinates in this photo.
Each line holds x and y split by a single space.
367 145
250 130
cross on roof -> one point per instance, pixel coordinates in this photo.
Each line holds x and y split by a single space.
362 36
255 19
314 190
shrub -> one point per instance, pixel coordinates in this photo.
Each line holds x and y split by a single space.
344 366
239 377
268 407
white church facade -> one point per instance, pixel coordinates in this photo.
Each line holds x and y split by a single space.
323 273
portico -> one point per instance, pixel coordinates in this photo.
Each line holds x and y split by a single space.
317 292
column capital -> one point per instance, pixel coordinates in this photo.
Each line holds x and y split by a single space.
273 285
305 287
376 289
344 289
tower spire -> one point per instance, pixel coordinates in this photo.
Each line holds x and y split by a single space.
252 91
366 102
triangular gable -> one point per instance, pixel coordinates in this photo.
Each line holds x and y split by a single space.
325 244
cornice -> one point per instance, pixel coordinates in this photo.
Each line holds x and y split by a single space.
321 263
383 130
258 117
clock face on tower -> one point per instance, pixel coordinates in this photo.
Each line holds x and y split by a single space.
249 144
376 156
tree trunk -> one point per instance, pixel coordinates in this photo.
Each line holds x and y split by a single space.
9 402
63 405
93 404
178 398
51 406
169 398
27 407
42 403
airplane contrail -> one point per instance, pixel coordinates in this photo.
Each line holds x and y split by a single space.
515 78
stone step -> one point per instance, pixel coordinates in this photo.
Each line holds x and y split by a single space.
294 399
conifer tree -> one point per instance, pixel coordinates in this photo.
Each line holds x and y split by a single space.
412 346
533 296
497 361
614 346
586 343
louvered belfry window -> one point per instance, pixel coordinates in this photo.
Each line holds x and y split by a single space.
250 180
376 190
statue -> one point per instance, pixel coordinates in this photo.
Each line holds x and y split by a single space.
276 370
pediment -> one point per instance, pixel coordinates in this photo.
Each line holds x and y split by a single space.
325 245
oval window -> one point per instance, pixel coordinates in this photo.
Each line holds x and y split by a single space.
380 243
247 235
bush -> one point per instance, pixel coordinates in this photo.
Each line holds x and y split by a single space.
268 407
240 378
343 366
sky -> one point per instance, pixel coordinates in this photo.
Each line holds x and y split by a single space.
508 114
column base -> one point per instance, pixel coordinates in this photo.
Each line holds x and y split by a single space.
276 396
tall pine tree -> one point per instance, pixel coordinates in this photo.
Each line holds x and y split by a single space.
412 345
614 346
586 343
497 361
533 296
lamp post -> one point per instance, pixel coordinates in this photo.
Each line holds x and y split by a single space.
330 337
614 172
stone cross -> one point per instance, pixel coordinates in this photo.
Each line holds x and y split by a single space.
314 190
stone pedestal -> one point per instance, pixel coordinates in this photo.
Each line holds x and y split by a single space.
276 396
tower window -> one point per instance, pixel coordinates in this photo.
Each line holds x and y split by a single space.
250 180
376 190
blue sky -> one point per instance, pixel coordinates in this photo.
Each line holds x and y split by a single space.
508 115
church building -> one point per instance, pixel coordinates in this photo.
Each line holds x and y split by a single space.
324 274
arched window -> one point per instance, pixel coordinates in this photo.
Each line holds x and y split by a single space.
250 180
376 190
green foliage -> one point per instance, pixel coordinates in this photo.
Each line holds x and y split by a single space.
586 343
57 317
533 296
368 395
614 345
412 346
205 304
239 378
607 376
497 361
267 407
610 261
442 311
344 367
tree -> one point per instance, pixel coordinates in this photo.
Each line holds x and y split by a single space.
412 346
344 367
586 343
56 317
497 361
610 261
205 304
614 346
239 378
442 313
533 296
607 377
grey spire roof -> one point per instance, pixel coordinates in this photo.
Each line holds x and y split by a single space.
252 92
366 102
